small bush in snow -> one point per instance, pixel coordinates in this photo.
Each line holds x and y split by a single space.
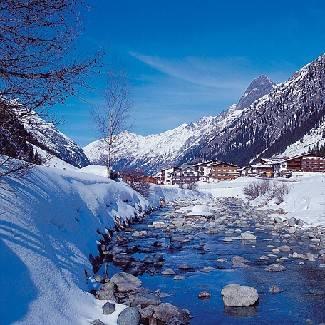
256 189
271 190
278 192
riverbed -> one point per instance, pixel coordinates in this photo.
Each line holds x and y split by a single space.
203 251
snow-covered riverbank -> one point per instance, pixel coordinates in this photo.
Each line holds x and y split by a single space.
48 228
305 199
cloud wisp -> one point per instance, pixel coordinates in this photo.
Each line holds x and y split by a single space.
222 73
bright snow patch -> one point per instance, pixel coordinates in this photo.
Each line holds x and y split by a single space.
48 227
305 200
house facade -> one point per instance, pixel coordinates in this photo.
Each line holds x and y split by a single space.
306 163
203 171
185 174
222 171
262 170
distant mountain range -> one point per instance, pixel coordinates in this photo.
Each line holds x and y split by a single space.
153 152
268 120
274 122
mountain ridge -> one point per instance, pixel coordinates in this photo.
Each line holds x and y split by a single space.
152 152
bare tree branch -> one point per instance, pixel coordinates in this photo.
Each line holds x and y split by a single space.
111 117
37 65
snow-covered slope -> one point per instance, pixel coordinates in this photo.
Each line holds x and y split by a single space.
273 122
47 229
153 152
305 198
46 137
313 138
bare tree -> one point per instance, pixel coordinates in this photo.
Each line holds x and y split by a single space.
37 65
35 38
111 117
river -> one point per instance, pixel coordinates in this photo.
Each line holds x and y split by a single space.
202 259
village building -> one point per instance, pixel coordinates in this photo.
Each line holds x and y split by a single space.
262 170
203 171
279 165
222 171
185 174
306 163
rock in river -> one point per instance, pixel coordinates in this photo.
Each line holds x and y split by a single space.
204 295
108 308
165 313
106 291
235 295
129 316
275 268
247 236
275 289
126 282
168 272
238 261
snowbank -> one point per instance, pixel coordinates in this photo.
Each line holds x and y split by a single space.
232 188
98 170
305 200
47 229
172 193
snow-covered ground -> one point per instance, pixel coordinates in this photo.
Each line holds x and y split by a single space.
305 200
48 229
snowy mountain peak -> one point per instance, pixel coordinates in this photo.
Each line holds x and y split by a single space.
152 152
267 119
259 87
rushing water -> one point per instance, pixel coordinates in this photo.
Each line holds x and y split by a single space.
303 296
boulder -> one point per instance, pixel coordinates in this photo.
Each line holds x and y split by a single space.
165 313
275 268
235 295
168 272
108 308
238 261
185 267
247 236
140 234
179 277
292 222
106 291
275 289
129 316
126 282
285 248
97 322
204 295
144 299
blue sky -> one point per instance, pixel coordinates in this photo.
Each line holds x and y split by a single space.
187 59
